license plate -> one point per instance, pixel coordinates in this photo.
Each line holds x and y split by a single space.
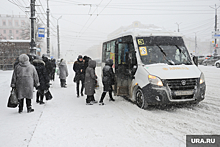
184 92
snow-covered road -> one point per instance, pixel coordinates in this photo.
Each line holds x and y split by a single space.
67 121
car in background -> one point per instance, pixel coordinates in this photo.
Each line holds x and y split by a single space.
217 64
211 60
201 58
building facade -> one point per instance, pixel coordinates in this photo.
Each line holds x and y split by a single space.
14 27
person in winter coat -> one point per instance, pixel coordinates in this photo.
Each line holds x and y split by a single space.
107 80
63 73
43 78
79 69
47 64
53 65
90 81
86 62
24 79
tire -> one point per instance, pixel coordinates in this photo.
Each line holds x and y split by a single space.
218 65
140 99
205 64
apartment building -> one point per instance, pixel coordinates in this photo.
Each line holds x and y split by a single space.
13 27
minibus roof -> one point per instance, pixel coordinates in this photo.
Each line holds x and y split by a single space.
143 32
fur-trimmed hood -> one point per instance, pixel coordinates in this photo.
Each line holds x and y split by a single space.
38 61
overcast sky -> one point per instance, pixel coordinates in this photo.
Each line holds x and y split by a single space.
85 23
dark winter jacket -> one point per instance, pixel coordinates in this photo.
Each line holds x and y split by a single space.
47 65
53 66
86 62
77 67
90 78
42 74
24 78
108 75
63 70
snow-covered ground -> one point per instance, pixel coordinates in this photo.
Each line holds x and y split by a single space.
66 121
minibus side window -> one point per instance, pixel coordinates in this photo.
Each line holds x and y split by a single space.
108 50
104 52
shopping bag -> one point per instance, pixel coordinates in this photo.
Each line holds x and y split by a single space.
96 84
13 100
48 95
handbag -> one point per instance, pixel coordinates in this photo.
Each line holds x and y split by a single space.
48 95
13 100
76 78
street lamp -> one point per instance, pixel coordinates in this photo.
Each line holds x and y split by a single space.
178 26
58 37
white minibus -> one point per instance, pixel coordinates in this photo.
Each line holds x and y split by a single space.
153 68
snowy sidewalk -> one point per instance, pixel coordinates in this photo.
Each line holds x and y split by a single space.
67 121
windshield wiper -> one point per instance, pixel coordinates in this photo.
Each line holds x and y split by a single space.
181 51
165 55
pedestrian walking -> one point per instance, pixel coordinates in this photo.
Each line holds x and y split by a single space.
86 61
79 70
53 65
90 82
43 79
47 64
24 79
63 73
107 80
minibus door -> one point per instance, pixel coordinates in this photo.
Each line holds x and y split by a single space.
123 78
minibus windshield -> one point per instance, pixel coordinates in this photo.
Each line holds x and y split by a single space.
172 52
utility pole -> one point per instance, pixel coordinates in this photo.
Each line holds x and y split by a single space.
178 26
215 50
58 36
48 30
33 18
195 43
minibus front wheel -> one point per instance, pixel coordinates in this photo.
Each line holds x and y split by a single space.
140 99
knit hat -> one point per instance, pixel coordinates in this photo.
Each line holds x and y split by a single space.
80 57
23 58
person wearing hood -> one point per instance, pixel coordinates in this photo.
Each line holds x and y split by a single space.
47 64
43 78
90 82
107 80
24 79
79 69
53 65
63 73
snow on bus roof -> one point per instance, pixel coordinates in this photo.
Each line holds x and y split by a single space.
138 32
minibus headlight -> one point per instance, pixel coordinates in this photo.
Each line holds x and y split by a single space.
155 80
202 78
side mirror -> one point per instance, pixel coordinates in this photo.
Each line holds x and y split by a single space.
134 69
195 60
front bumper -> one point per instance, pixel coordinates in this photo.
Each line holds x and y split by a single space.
156 95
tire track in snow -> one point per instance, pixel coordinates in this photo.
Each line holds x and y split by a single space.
148 126
176 122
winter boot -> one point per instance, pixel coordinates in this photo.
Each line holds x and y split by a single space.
29 110
101 103
110 95
90 103
20 110
41 102
111 99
